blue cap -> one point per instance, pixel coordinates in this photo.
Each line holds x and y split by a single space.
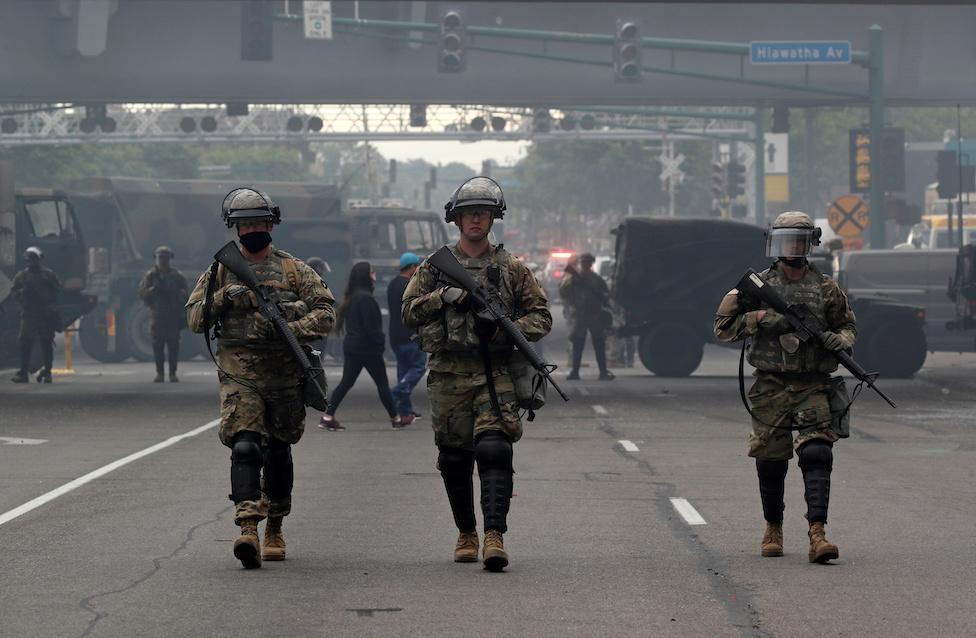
408 259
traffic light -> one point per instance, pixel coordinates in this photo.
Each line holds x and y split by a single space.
781 120
418 115
541 121
947 174
256 30
893 159
627 52
718 180
452 55
735 183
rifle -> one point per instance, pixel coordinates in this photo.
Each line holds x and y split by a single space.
313 376
806 326
445 262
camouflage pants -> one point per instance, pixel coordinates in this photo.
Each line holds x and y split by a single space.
778 404
274 413
461 408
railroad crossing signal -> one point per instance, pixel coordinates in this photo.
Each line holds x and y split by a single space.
848 216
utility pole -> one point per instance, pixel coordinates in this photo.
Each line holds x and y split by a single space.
759 166
962 230
875 124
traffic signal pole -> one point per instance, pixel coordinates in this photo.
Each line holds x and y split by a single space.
759 166
875 124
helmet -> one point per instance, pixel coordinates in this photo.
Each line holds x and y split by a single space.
33 252
481 192
792 235
249 203
319 265
164 251
587 258
408 259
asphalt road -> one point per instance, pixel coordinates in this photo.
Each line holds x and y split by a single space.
598 547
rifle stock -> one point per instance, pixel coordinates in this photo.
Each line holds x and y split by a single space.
445 261
232 259
806 326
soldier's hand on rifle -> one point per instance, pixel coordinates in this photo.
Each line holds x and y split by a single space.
263 329
454 296
236 296
773 322
834 341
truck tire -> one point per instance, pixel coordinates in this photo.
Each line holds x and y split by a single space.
94 341
894 350
133 331
671 350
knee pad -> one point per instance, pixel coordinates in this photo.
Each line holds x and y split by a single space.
279 469
246 459
455 463
771 471
493 450
816 454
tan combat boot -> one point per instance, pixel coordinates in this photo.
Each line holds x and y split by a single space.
274 542
821 550
247 547
772 540
466 549
495 557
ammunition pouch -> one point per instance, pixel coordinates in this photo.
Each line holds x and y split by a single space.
840 407
315 387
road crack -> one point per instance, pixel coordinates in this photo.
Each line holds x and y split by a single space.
86 603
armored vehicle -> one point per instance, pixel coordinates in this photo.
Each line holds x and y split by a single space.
128 217
46 219
671 273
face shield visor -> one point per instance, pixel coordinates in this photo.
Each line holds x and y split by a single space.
789 242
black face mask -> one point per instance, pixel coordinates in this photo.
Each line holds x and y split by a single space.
793 262
255 242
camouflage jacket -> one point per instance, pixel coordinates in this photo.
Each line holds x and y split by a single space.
448 333
36 292
164 291
737 319
257 353
585 294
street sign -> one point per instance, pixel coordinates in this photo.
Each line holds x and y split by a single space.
848 216
318 19
800 52
777 153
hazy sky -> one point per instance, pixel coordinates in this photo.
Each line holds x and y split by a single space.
438 152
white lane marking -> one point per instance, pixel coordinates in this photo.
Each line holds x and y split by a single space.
10 440
102 471
583 391
599 409
628 446
689 513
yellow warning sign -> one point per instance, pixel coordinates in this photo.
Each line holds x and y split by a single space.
848 216
777 188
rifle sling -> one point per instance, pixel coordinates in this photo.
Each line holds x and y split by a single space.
489 378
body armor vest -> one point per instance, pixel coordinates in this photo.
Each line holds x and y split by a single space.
786 353
237 324
491 271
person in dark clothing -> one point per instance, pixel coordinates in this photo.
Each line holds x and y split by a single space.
359 317
411 360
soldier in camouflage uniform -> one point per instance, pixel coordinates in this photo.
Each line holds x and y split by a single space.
587 300
36 289
164 290
792 379
262 413
472 395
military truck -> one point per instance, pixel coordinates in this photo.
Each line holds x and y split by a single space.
46 219
128 217
671 273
